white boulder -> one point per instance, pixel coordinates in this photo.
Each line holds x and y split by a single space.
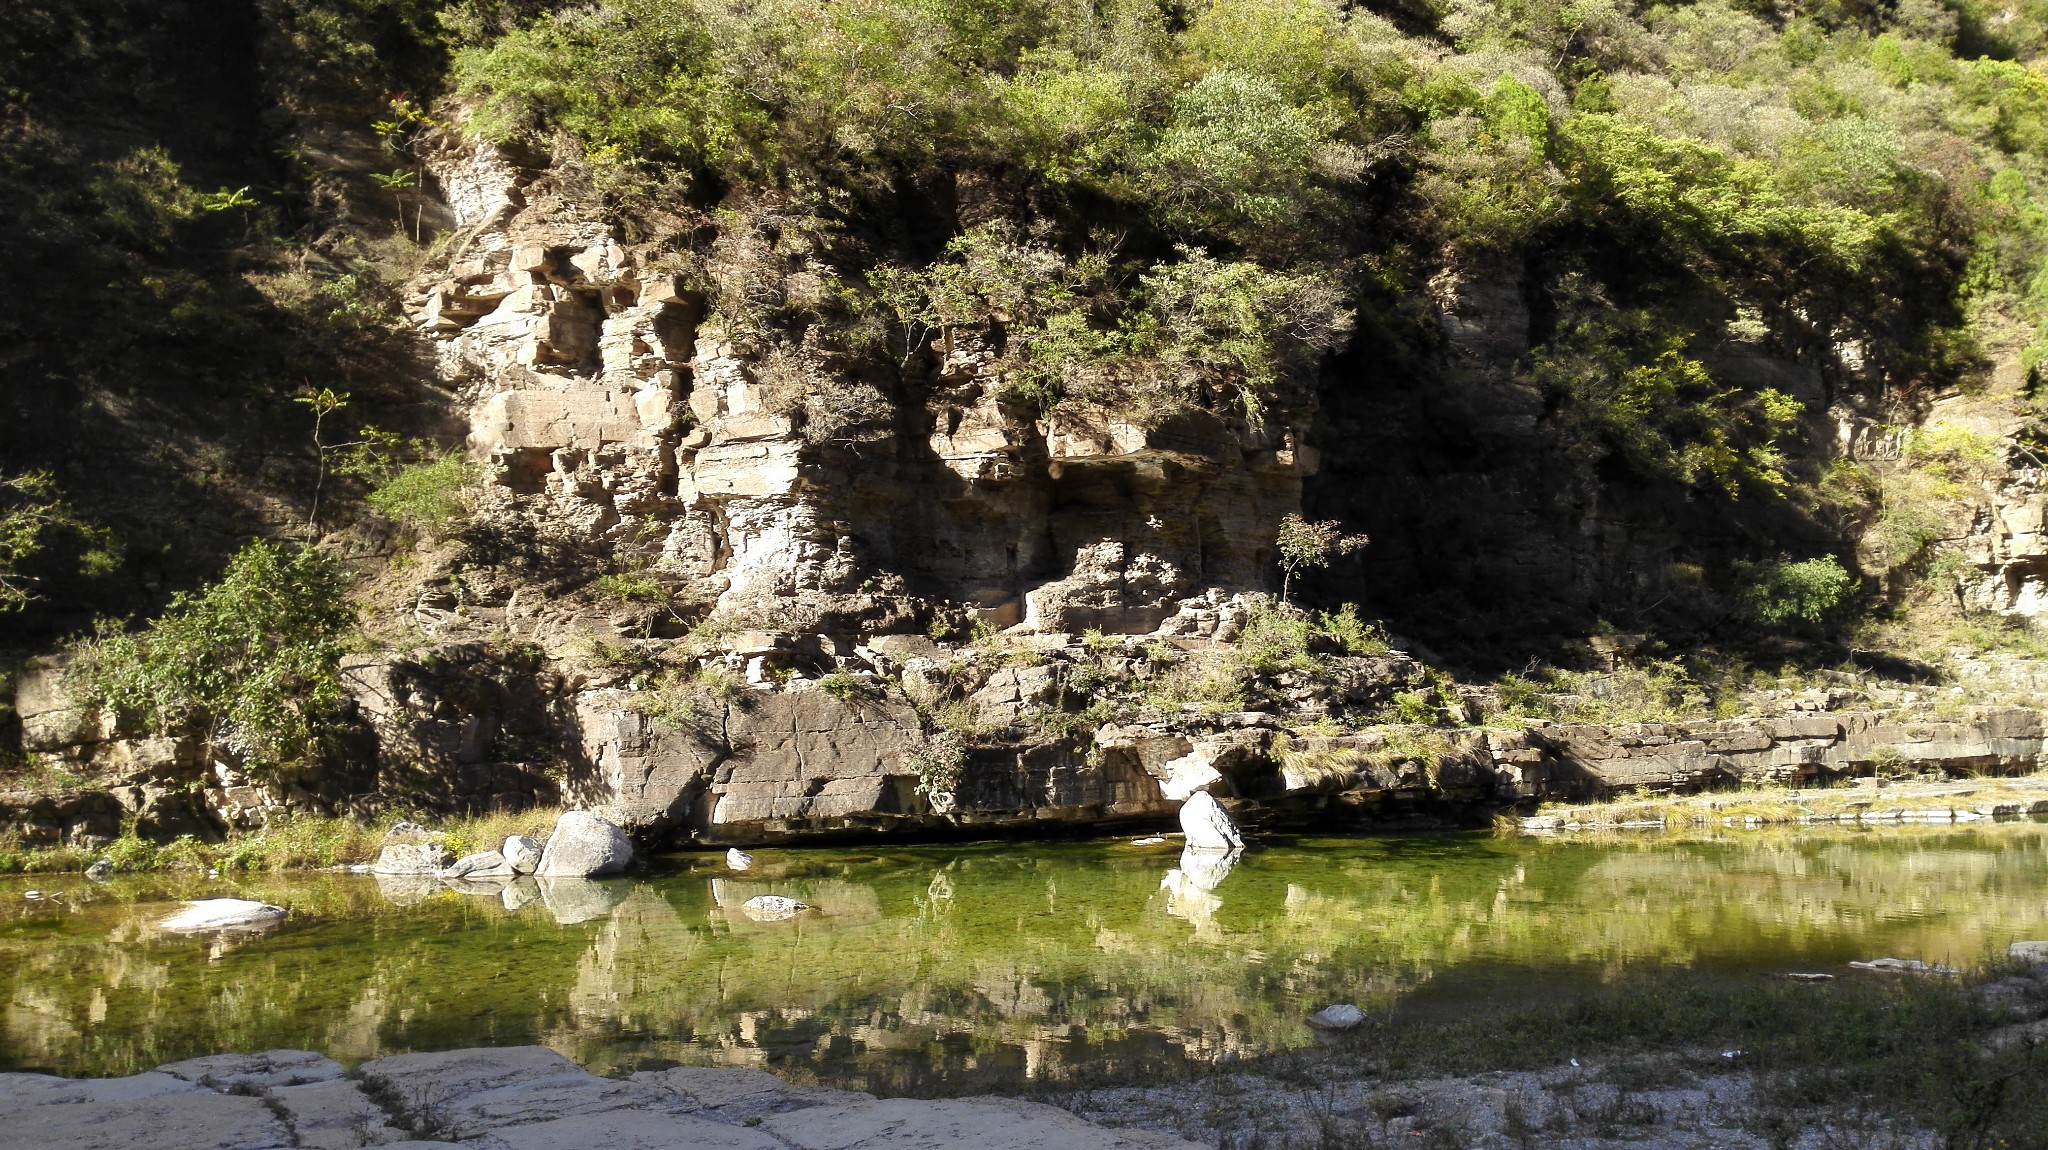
772 907
737 859
522 854
1342 1016
1207 825
2030 950
584 845
411 858
223 914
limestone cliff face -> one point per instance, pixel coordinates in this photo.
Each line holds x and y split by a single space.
611 409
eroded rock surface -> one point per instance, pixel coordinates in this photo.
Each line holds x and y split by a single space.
511 1098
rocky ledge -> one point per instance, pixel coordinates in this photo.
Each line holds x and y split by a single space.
510 1098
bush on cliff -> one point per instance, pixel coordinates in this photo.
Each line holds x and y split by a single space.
250 664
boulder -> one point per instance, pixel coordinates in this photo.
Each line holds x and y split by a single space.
522 854
584 845
1207 825
100 871
2031 950
262 1070
145 1110
772 907
737 859
411 858
1342 1016
483 864
223 914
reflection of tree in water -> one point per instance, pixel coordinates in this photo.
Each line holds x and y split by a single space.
957 967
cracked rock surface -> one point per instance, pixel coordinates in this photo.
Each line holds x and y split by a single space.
508 1098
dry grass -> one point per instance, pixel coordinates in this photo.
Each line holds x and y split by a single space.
1964 800
288 844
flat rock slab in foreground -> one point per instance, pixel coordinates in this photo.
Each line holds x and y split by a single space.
511 1098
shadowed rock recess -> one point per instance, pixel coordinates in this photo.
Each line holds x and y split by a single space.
510 1098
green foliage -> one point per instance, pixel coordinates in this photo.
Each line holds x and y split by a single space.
1198 331
849 689
1275 639
411 481
690 702
1237 159
1303 545
632 587
249 663
1810 591
1351 634
32 510
939 759
1633 389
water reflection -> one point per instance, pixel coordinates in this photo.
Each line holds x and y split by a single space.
978 965
1191 887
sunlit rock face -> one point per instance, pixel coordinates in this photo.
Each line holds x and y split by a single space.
611 408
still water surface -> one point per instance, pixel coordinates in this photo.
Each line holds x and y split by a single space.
980 966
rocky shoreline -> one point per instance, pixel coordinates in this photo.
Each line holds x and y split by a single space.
508 1098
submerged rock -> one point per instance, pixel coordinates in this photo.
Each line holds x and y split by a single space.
223 914
1207 825
1342 1016
522 854
584 845
772 907
1904 966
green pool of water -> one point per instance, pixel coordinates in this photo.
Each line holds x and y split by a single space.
980 966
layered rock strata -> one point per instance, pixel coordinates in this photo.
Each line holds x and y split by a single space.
613 406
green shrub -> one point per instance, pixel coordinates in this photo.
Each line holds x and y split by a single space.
632 587
411 481
250 663
1351 634
32 511
1811 591
1198 331
426 498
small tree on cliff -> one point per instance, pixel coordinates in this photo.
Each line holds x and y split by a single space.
251 663
1304 545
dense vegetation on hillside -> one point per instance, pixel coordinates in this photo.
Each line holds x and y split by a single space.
1865 175
1141 204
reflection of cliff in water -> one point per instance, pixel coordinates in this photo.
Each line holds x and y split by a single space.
979 965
